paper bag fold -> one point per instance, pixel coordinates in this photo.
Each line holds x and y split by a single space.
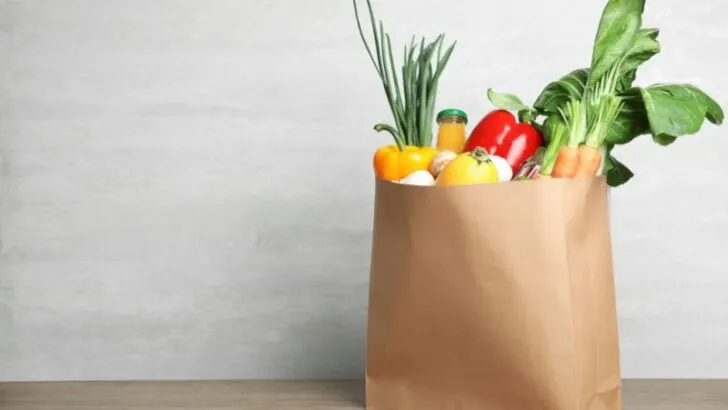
492 297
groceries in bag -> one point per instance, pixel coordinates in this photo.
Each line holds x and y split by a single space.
487 292
573 126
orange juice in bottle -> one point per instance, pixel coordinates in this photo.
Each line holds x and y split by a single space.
451 133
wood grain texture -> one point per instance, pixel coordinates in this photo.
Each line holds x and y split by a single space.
294 395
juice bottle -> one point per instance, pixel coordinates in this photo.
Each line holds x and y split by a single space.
451 134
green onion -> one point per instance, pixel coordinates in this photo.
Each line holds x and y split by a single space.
412 105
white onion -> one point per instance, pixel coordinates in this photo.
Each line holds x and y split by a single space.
505 172
420 178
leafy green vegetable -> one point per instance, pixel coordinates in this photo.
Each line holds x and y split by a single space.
630 123
617 173
556 94
606 112
551 126
644 47
506 101
621 46
557 132
575 118
714 113
620 22
674 110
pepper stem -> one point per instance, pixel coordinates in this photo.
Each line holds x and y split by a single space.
526 116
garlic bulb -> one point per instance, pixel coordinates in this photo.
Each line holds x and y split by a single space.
439 162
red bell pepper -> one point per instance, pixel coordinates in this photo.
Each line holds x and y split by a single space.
501 134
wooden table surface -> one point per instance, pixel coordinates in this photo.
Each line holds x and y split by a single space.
295 395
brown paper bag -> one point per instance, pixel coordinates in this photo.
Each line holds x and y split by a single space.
492 297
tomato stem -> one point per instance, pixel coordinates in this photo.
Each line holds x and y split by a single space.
480 155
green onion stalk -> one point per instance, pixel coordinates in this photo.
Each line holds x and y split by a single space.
412 104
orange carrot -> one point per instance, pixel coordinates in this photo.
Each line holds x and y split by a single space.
567 162
589 160
590 156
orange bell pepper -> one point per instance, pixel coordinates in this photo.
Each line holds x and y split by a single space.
392 164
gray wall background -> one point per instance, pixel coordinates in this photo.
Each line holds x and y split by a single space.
187 189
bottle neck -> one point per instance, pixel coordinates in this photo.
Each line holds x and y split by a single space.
451 119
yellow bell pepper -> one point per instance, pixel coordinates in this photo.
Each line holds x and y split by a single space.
392 164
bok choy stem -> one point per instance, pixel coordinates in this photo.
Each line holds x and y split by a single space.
576 119
607 111
549 157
